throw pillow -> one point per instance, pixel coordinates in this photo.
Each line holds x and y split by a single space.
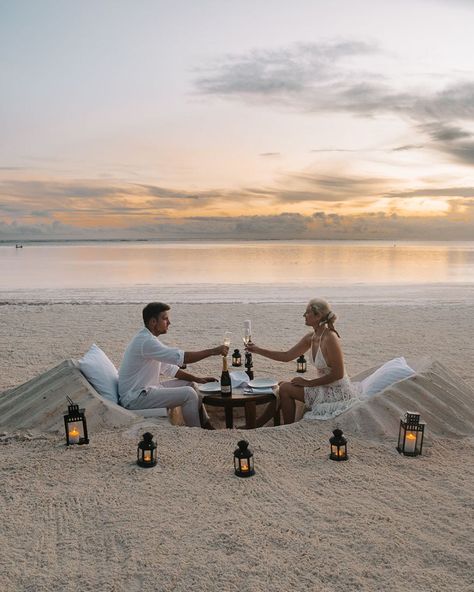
100 372
391 372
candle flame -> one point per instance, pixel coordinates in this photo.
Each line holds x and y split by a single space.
411 436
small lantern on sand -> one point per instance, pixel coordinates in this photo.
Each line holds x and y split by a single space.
243 460
75 424
410 435
301 364
338 446
146 451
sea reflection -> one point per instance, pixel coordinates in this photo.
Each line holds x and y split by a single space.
308 263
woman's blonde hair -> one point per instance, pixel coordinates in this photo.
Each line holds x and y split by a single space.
319 306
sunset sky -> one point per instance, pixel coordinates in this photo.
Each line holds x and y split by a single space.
201 119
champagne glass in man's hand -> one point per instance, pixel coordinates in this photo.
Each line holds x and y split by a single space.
227 338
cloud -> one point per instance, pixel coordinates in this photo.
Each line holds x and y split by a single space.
460 192
283 74
320 225
270 154
407 147
324 78
305 187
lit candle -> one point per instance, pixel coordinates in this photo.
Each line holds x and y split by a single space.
74 435
410 442
147 455
244 465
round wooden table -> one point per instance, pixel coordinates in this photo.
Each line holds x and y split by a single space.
238 399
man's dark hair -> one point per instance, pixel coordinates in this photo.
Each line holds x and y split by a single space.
153 310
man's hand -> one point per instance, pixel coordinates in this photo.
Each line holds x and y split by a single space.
298 381
222 350
205 379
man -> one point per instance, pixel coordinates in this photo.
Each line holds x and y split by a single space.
146 359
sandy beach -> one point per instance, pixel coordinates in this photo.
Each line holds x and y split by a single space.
89 518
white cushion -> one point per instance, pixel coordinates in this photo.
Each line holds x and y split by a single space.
100 372
392 371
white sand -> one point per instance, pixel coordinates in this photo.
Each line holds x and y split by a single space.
88 518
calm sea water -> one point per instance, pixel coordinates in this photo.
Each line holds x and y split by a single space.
269 271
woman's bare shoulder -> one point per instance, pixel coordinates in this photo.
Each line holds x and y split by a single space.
330 338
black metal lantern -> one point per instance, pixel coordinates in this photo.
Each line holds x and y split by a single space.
410 435
75 424
338 446
243 460
301 364
146 451
236 358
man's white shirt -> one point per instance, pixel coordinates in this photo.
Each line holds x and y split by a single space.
144 360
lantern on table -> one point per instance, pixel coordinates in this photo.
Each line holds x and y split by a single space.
236 358
301 364
243 460
146 451
75 424
410 435
338 446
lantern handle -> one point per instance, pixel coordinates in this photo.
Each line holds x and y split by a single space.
70 401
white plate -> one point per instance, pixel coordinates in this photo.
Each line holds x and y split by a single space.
210 387
262 383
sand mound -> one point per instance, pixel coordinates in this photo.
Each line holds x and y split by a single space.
39 404
444 400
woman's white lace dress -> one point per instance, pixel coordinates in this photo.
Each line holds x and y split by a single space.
329 400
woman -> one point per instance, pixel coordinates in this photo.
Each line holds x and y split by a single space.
332 392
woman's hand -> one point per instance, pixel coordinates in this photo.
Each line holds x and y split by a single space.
298 381
251 347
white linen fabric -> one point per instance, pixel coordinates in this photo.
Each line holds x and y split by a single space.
144 360
171 393
391 372
238 378
329 400
100 372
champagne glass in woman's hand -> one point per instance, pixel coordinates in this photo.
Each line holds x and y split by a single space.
247 334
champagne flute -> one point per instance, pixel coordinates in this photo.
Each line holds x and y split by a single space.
246 337
227 338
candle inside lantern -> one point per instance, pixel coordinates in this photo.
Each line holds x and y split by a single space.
74 435
147 455
244 465
410 442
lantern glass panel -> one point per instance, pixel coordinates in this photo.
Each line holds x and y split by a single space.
244 465
410 438
75 432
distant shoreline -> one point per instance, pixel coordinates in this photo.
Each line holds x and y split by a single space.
393 242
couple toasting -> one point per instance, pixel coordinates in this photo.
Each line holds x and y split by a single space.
147 360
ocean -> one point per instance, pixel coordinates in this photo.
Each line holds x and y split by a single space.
379 272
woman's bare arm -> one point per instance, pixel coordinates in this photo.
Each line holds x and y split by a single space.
300 348
335 360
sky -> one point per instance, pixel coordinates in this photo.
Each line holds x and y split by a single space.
270 119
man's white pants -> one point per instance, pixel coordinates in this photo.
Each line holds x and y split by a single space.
172 393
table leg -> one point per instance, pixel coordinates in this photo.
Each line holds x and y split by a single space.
250 415
229 417
276 417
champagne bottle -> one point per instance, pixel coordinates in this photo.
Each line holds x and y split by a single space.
226 385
